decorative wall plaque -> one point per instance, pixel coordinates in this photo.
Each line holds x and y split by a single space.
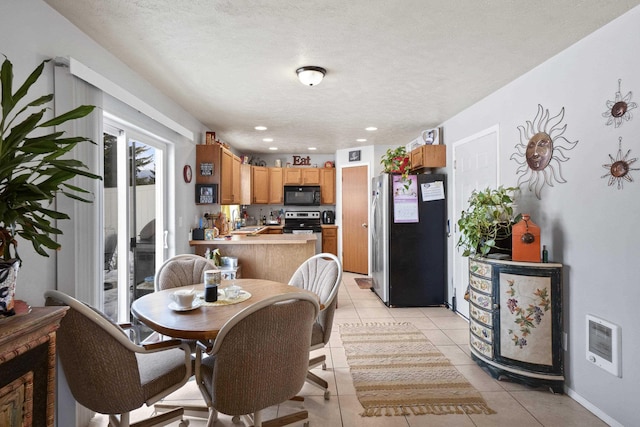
541 151
619 110
619 167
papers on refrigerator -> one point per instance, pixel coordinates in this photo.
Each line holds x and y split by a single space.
432 191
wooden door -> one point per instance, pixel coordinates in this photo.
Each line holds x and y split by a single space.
292 176
328 186
355 219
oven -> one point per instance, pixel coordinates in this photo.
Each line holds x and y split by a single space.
304 222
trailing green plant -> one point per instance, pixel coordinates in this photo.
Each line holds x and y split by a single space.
32 168
487 220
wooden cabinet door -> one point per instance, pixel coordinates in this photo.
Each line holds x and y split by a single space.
310 176
330 240
292 176
260 184
429 156
276 190
235 180
226 177
246 184
328 186
207 169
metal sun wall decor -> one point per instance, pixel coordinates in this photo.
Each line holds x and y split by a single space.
541 151
619 167
619 110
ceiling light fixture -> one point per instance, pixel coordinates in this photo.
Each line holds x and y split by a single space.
361 140
260 128
267 139
273 148
371 128
312 148
311 75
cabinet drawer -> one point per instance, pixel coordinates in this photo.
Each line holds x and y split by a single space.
480 268
479 299
481 284
481 346
481 331
480 315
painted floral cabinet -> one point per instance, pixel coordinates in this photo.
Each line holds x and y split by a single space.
515 320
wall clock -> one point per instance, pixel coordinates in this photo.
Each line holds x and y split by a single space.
187 174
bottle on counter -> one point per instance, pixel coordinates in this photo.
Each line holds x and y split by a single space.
545 254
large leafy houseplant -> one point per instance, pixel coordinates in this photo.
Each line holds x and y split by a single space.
487 221
32 172
397 160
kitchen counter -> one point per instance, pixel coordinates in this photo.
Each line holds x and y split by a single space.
263 256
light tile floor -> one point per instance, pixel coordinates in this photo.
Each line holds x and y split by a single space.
515 404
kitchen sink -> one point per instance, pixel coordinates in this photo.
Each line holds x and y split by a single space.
248 230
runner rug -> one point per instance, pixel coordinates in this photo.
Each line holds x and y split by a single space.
396 370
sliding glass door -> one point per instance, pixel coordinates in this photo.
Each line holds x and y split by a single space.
134 217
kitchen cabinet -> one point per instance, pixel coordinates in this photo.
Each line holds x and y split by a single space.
301 176
428 156
260 184
246 184
515 320
330 239
328 186
276 190
218 165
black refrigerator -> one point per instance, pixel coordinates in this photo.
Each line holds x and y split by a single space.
409 239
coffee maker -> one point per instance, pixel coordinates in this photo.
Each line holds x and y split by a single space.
328 217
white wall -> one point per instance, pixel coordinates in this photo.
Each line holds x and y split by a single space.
31 31
588 226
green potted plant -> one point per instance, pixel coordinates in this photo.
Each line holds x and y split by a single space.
485 226
397 160
32 172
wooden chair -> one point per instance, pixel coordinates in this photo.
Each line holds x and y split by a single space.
259 359
322 275
109 374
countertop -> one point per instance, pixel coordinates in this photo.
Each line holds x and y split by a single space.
258 239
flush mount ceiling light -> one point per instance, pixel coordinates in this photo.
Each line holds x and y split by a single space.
311 76
260 128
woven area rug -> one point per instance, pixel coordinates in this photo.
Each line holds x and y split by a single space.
396 370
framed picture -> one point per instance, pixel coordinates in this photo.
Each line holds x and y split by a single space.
354 156
206 193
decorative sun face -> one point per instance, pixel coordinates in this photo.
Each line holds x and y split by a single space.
619 167
619 110
541 150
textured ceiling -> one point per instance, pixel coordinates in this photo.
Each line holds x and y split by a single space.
402 66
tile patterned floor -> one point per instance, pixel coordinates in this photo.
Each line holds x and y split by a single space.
514 404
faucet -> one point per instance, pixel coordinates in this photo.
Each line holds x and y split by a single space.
234 221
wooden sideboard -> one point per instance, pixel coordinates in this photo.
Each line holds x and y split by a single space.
28 366
515 320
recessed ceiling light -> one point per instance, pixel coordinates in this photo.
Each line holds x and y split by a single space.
267 139
260 128
312 148
273 148
371 128
361 140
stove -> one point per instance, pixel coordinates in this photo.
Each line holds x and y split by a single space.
302 222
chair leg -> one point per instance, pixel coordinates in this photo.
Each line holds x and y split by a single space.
163 419
318 382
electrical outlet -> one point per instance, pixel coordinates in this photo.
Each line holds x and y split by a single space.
565 338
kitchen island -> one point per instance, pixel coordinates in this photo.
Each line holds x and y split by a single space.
263 256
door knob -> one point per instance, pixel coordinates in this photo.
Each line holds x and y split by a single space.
364 225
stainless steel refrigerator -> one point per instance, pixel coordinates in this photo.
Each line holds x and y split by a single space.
409 239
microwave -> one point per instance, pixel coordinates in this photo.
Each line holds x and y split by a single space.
302 195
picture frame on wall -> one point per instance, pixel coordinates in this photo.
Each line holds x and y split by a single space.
354 156
206 194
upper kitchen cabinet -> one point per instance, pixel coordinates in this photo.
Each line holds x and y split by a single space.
260 177
429 156
246 184
276 190
328 186
217 165
301 176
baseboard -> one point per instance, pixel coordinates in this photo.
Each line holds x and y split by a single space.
592 408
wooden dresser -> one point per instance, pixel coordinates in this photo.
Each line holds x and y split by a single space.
28 366
515 320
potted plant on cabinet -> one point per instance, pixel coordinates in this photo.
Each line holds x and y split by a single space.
485 226
32 173
397 161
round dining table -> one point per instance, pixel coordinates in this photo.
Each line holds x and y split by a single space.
205 321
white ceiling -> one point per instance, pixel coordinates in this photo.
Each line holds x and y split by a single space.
402 66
